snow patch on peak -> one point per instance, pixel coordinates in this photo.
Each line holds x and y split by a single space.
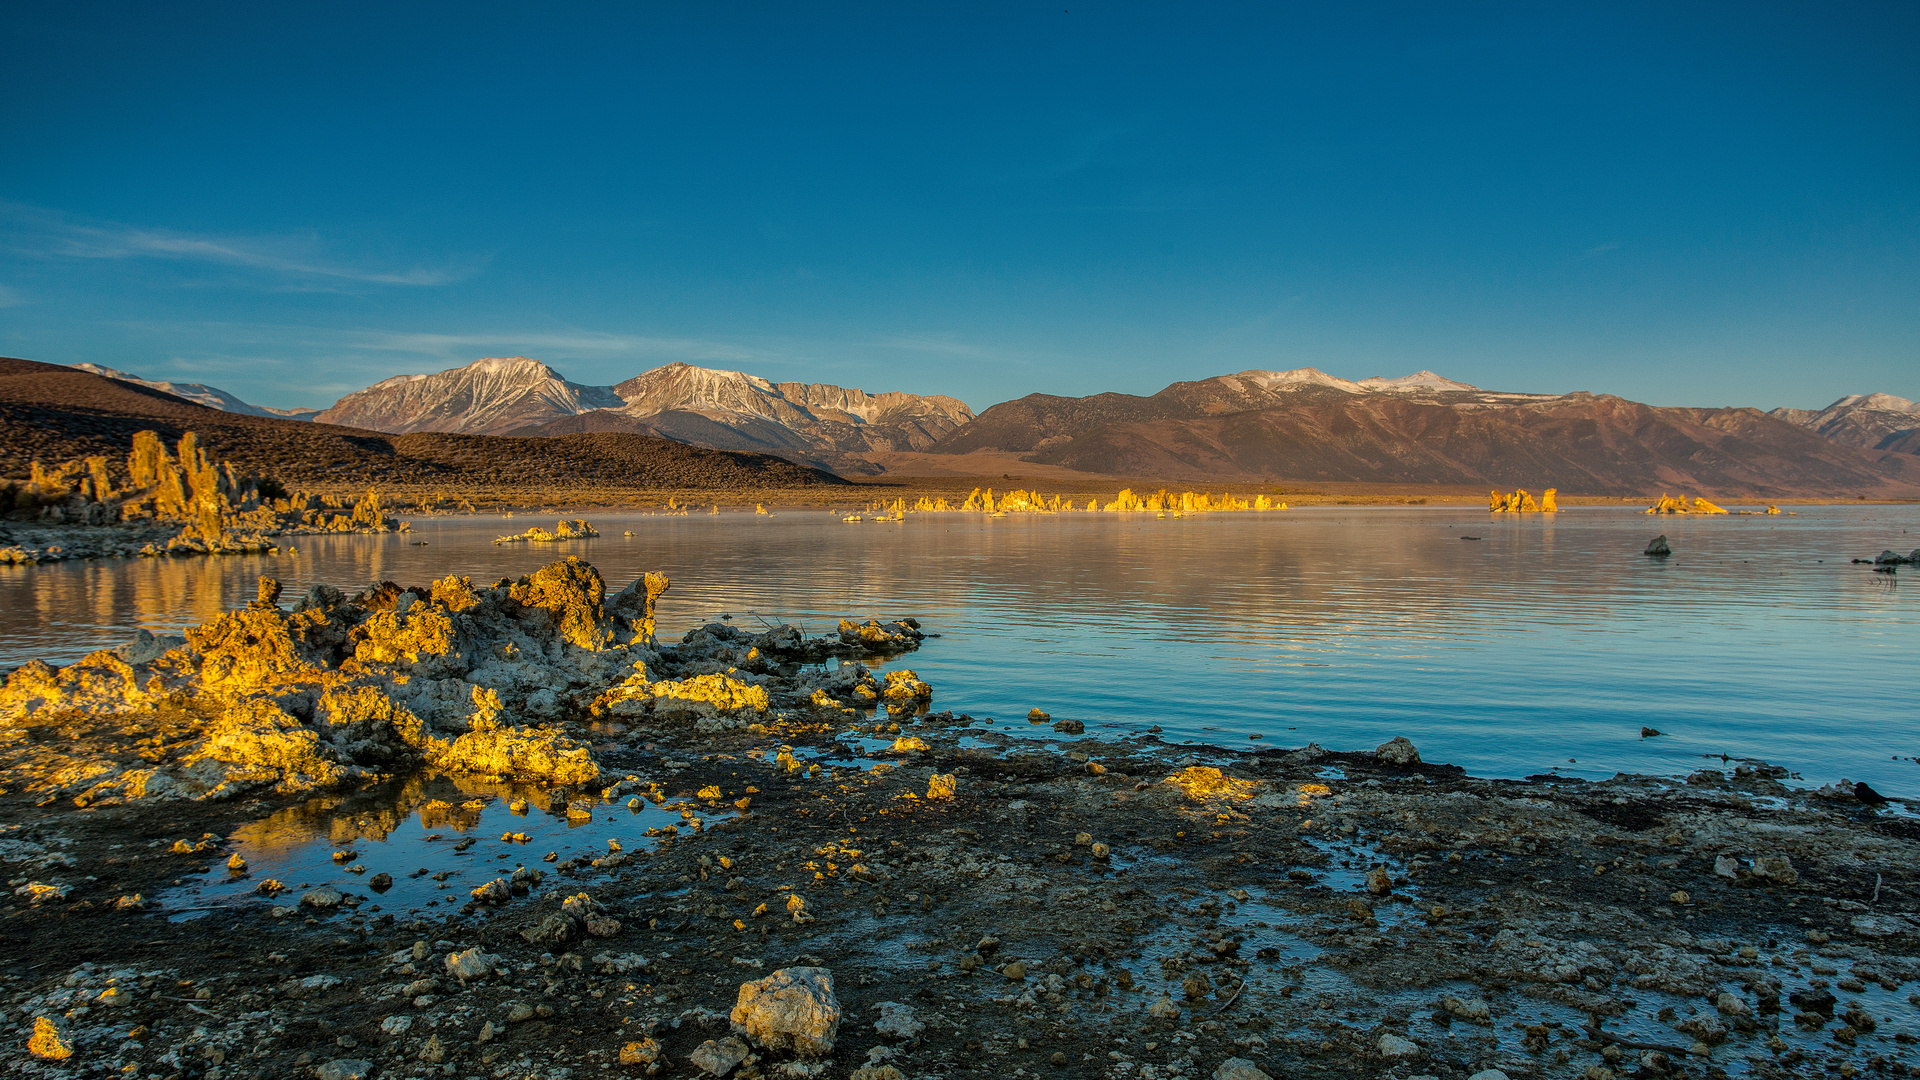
199 393
512 365
1269 380
1419 380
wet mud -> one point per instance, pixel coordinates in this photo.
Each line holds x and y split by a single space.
986 903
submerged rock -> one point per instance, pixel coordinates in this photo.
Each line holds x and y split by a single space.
1658 546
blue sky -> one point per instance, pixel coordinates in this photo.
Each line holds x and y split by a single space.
1682 204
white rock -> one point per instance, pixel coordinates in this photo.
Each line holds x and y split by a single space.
1730 1005
1164 1009
1473 1011
397 1024
344 1069
469 964
719 1058
1488 1074
897 1021
793 1008
1239 1069
1393 1046
326 896
1726 867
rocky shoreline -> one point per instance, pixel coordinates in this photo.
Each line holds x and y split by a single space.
976 902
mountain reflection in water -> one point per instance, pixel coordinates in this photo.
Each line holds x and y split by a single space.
1551 639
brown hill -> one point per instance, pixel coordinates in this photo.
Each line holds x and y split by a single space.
54 413
1280 426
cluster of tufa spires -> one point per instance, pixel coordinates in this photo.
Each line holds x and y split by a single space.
220 511
1522 503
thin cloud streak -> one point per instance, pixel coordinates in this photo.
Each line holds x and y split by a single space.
48 233
455 346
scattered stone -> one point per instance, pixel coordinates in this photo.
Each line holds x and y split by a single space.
877 1072
344 1069
434 1052
640 1052
1473 1011
1393 1046
1656 546
792 1009
1777 869
1379 882
324 897
941 786
50 1040
1236 1068
719 1058
897 1021
470 964
1070 727
1726 867
1014 971
1164 1009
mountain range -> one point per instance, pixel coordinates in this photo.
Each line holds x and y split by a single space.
812 423
1867 421
52 413
1253 426
201 394
1424 429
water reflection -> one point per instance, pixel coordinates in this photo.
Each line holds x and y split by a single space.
1546 639
436 837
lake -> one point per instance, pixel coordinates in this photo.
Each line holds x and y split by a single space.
1544 643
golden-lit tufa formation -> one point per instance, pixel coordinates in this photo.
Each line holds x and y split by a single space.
1022 501
1522 503
1207 782
1668 505
335 689
565 530
219 510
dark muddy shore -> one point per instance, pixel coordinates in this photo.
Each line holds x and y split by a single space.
1070 911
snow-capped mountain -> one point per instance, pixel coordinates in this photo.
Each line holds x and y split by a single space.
1866 421
487 397
726 410
201 394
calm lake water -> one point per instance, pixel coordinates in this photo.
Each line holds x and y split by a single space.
1546 643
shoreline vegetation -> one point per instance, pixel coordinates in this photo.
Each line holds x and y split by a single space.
861 886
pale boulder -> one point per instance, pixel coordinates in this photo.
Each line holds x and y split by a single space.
792 1009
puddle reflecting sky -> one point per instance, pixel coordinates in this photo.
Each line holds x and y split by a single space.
438 837
1548 643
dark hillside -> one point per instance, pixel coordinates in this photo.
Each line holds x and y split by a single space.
54 413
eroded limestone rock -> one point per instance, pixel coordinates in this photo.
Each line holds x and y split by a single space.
792 1009
335 689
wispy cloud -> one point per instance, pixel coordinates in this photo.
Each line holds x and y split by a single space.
468 346
46 233
10 297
